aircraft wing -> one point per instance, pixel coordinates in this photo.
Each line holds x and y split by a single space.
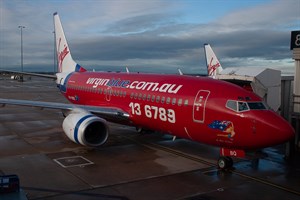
105 112
52 76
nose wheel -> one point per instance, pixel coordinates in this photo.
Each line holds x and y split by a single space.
225 162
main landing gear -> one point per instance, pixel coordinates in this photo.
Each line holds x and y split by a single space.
225 161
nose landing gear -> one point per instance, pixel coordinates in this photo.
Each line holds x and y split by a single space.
225 162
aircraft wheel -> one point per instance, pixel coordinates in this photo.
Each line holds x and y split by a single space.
225 163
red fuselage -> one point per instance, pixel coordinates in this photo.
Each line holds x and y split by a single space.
198 108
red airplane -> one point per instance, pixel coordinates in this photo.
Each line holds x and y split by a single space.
202 109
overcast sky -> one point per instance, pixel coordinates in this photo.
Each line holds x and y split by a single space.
151 35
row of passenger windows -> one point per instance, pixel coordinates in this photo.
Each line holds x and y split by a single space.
99 90
159 99
139 96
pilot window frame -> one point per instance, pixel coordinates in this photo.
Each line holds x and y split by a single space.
242 106
237 106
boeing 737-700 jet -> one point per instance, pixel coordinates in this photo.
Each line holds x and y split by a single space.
202 109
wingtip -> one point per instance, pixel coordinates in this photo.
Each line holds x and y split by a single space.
55 13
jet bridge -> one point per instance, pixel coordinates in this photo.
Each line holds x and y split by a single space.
265 82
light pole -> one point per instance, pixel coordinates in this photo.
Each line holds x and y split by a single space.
21 27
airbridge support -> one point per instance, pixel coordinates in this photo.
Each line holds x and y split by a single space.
295 46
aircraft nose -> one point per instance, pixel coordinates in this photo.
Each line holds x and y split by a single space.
277 129
284 131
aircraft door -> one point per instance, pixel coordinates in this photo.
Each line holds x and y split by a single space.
199 106
108 94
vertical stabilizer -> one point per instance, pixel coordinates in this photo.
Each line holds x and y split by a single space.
213 64
65 60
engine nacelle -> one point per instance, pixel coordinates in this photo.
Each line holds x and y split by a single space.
86 129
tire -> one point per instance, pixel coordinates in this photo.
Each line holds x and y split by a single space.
223 163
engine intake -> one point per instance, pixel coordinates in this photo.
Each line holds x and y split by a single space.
86 129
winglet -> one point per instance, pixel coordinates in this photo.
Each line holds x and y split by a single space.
213 64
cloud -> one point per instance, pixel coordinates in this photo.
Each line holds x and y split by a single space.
148 35
270 15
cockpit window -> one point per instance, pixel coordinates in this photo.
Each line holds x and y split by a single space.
232 105
257 106
241 106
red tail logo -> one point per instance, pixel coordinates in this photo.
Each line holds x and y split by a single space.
61 55
212 68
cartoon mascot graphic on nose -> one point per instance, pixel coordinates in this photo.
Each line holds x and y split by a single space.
226 127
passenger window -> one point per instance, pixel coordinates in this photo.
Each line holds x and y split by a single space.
148 97
163 100
186 102
144 97
157 99
179 102
232 105
173 101
153 98
168 100
140 96
131 95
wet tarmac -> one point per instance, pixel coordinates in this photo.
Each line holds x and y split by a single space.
130 165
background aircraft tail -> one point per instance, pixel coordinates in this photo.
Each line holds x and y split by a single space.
65 60
213 64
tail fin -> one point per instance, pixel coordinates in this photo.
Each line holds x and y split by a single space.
65 60
213 64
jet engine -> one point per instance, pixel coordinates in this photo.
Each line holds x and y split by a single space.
85 128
